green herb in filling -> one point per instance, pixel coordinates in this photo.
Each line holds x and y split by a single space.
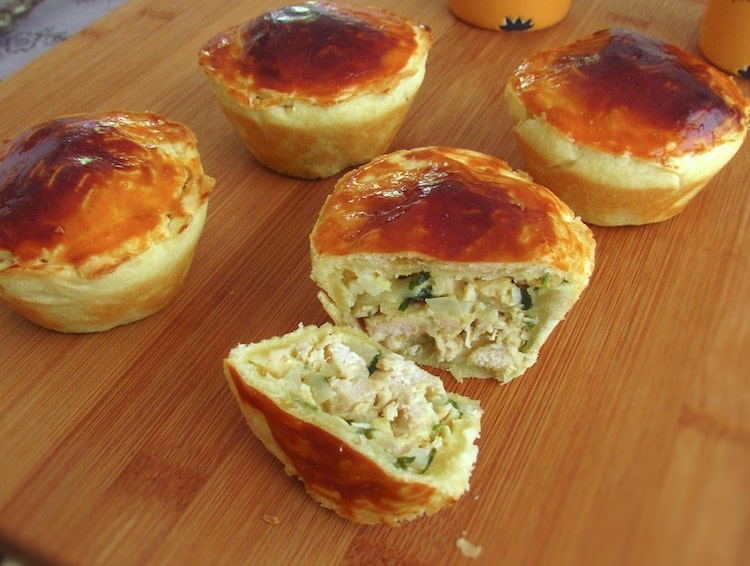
430 458
366 431
526 300
361 428
424 293
419 279
374 363
454 404
402 462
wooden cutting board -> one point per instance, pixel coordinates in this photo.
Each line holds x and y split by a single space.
627 443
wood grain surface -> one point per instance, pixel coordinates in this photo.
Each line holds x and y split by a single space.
627 443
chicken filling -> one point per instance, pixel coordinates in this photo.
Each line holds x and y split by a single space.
483 322
384 398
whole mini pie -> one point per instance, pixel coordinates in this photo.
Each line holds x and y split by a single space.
316 87
100 216
625 128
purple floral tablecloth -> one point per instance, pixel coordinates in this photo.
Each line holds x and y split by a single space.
48 23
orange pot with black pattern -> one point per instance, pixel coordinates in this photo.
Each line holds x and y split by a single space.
511 15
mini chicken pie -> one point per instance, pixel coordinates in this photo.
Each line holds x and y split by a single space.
625 128
450 258
100 216
316 87
372 435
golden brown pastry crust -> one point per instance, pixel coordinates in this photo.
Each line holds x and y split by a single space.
317 51
100 218
316 87
335 475
625 128
451 205
625 93
450 258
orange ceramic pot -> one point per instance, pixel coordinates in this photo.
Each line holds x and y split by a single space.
511 15
725 35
